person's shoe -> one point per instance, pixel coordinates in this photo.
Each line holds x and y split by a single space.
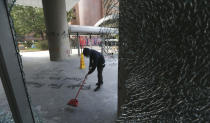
97 88
98 83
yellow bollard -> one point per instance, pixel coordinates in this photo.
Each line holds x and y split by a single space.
82 62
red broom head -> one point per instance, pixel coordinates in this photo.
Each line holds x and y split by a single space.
73 102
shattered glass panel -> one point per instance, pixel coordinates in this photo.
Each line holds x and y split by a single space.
5 113
164 61
6 117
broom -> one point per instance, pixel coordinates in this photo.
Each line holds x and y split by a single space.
74 102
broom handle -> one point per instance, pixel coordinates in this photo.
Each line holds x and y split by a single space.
80 88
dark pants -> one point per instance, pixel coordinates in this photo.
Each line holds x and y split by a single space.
100 76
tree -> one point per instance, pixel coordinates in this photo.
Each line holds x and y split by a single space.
28 20
70 15
31 20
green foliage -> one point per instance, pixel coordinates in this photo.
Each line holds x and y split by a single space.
117 36
28 19
70 15
28 44
43 45
31 20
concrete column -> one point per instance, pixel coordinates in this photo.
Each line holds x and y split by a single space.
57 29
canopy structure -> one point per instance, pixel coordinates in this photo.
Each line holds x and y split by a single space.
107 18
38 3
87 30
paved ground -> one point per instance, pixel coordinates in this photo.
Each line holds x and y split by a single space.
52 84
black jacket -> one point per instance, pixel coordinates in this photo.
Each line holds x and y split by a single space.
96 60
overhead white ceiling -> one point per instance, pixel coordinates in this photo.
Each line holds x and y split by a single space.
38 3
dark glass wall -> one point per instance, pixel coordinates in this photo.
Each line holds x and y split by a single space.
164 61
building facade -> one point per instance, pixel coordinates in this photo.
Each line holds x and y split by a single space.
89 12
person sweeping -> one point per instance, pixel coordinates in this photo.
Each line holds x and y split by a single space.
96 60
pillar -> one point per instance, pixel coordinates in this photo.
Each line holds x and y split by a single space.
57 29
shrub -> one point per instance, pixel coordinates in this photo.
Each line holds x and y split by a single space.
28 44
43 45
